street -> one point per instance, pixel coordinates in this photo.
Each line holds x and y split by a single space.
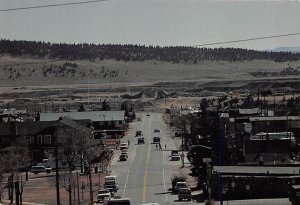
146 176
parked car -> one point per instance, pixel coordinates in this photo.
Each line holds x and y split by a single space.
102 194
123 157
173 152
124 151
111 185
180 185
110 178
118 201
40 169
141 140
175 157
138 133
148 114
184 193
124 145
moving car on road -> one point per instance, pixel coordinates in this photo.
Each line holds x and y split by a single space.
184 193
156 131
138 133
141 140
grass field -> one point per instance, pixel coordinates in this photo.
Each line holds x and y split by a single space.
28 78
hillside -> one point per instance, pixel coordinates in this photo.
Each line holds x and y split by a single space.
174 54
25 71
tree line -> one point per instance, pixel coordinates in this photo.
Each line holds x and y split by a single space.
174 54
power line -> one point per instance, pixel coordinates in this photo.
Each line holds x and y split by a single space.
247 39
50 5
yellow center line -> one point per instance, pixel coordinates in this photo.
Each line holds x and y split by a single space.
144 194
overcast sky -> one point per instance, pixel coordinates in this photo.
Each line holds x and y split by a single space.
154 22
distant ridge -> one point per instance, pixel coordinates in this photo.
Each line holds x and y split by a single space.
177 54
287 49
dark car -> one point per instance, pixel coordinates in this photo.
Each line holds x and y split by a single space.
123 157
141 140
184 193
138 133
156 140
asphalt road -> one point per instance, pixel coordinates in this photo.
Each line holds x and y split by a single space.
146 176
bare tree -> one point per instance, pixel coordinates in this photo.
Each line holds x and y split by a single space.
13 159
72 139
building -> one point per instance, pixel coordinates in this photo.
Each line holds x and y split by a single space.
105 124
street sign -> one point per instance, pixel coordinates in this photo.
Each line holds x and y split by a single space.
206 160
248 127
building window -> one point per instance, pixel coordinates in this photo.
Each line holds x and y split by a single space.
47 139
40 139
30 139
5 140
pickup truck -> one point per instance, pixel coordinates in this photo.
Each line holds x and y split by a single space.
40 169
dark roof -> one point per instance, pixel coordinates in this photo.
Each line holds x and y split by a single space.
34 127
95 116
257 170
249 111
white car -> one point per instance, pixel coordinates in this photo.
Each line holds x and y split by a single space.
102 194
175 157
124 145
40 169
110 178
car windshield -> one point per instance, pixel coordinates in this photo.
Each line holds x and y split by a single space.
181 184
184 190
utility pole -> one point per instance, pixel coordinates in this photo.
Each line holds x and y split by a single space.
78 196
182 155
57 175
